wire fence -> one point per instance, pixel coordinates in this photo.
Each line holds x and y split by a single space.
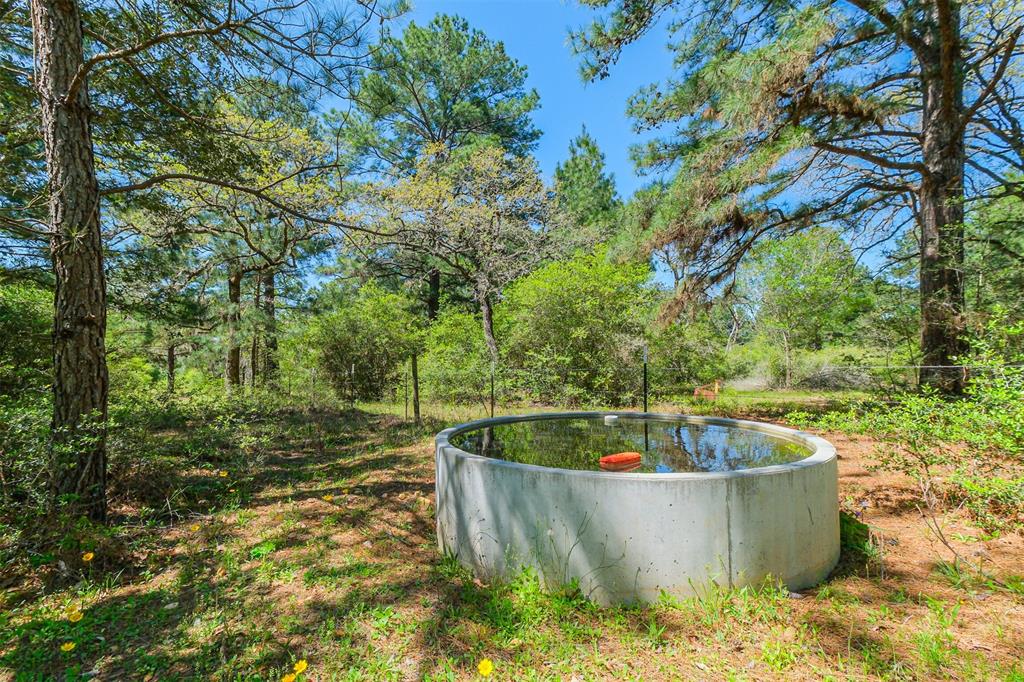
648 386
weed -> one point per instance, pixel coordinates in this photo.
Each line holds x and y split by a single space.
935 645
784 648
263 550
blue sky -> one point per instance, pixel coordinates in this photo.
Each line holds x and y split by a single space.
535 33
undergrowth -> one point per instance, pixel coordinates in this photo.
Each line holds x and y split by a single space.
965 451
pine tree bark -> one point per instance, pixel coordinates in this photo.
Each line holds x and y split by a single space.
941 199
415 389
433 294
270 362
78 464
171 362
232 366
254 350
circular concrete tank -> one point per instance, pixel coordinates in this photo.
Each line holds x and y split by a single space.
627 537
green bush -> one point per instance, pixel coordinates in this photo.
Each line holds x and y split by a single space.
26 318
456 366
361 345
978 438
684 355
575 331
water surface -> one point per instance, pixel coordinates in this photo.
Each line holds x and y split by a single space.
665 446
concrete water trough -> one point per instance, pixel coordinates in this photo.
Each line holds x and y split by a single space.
627 536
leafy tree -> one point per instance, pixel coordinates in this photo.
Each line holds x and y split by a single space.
994 267
106 78
803 292
254 238
685 353
887 116
25 310
585 191
478 210
576 329
362 344
443 86
456 363
159 280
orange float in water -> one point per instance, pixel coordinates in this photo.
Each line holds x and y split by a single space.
620 461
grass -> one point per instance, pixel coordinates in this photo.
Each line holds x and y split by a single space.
730 402
319 546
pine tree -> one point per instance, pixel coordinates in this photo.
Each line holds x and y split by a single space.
886 116
584 190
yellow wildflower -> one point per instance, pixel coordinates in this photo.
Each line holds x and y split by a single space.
485 667
88 556
195 527
223 474
290 677
67 646
300 667
75 616
328 498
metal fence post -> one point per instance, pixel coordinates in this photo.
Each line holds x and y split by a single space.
645 377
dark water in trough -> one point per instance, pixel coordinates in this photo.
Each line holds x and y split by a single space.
664 446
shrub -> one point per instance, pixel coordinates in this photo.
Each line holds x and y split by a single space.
979 437
26 314
684 355
575 331
361 344
456 366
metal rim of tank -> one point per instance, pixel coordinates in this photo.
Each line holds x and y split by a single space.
821 450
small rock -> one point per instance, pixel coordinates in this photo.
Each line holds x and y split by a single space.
701 665
367 544
171 606
795 595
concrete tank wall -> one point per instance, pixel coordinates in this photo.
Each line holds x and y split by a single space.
626 537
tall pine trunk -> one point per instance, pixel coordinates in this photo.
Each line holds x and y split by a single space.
415 388
270 363
78 463
433 294
255 356
171 366
232 365
487 318
941 198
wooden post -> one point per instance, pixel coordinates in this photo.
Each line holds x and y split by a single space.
415 390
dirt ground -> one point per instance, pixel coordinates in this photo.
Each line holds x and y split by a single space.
325 553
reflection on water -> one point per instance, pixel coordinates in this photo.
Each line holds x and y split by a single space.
666 446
